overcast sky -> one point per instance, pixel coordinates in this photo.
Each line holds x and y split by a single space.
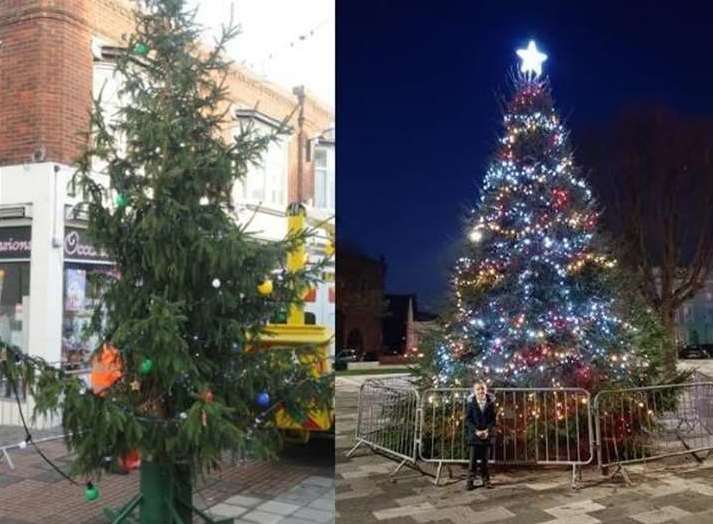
289 42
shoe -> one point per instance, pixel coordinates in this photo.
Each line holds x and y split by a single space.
469 486
487 484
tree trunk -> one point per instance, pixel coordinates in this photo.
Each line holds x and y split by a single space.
162 486
670 354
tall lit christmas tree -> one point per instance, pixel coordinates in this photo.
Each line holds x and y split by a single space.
182 323
533 295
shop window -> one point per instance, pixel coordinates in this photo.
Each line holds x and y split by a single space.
83 288
14 303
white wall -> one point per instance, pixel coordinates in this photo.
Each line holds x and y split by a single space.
45 190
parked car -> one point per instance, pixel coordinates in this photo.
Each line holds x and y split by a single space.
344 357
694 352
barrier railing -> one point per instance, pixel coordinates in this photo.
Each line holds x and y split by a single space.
387 416
649 423
534 426
538 426
12 431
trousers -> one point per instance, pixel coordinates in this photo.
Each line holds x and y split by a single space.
479 453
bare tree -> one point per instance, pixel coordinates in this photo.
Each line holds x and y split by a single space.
654 170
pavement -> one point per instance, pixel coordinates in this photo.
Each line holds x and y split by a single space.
297 489
674 490
704 366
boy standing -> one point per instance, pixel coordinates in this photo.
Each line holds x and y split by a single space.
480 427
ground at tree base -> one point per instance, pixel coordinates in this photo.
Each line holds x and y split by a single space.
297 490
676 490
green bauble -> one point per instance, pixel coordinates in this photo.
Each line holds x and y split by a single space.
146 366
280 317
91 492
141 49
120 200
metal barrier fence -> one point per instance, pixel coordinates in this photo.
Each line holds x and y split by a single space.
698 376
558 426
534 426
387 416
648 423
43 428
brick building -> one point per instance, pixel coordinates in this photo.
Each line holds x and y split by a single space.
55 55
360 308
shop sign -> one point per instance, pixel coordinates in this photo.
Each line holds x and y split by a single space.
15 242
77 246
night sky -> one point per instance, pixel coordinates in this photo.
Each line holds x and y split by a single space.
417 87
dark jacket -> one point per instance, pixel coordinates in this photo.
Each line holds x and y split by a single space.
475 419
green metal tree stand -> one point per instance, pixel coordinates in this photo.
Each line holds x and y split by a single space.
165 497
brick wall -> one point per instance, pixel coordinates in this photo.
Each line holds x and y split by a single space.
360 305
45 87
45 82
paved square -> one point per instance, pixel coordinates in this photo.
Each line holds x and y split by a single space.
680 491
298 489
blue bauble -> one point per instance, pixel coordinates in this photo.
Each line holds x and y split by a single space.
263 399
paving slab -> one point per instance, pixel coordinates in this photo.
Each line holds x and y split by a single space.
33 493
664 514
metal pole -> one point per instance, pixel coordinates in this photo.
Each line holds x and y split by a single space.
299 92
296 258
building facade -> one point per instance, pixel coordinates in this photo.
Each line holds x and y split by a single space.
360 309
55 56
694 319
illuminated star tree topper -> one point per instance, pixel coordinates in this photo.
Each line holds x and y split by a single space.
532 59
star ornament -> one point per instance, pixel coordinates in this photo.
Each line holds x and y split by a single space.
532 59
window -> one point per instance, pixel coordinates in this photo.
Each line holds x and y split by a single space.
82 294
324 177
107 82
14 303
267 181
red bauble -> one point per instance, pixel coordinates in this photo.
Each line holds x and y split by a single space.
590 221
130 461
207 396
560 198
585 377
583 372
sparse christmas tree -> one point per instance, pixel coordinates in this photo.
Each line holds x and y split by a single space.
195 290
534 300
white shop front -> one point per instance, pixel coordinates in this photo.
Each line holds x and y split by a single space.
47 291
78 289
